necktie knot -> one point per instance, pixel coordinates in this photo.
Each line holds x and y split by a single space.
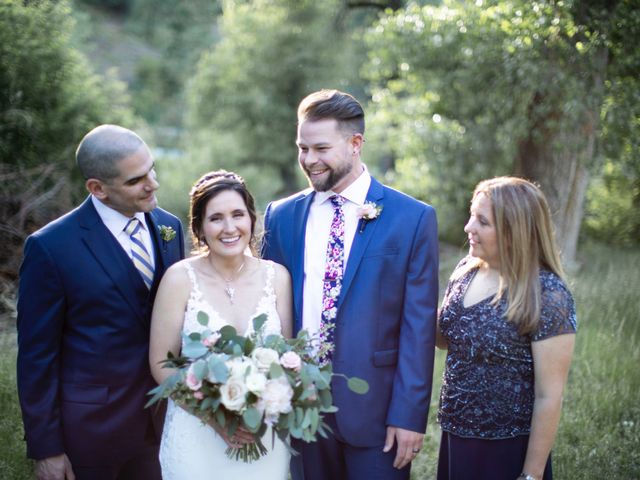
133 227
337 201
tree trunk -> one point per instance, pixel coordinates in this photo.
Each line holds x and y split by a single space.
563 176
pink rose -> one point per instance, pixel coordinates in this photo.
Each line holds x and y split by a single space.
291 360
198 395
211 340
191 380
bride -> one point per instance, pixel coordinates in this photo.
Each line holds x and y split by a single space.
232 288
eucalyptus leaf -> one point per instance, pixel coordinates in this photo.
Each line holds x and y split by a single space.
194 349
259 321
252 418
218 370
275 371
228 332
358 385
200 369
203 318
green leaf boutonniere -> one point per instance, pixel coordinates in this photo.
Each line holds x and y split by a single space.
167 233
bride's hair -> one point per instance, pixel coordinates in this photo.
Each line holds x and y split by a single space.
207 187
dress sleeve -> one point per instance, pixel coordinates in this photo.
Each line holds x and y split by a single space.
557 311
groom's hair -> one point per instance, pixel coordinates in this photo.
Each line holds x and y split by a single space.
340 106
102 148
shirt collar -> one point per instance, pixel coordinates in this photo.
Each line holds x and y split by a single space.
355 193
114 220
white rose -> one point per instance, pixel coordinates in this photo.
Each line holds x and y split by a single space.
233 394
256 382
238 366
264 357
276 397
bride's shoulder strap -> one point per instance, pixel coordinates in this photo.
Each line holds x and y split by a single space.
192 276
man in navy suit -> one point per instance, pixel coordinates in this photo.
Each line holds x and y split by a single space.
386 307
83 319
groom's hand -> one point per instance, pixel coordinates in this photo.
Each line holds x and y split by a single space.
54 468
409 444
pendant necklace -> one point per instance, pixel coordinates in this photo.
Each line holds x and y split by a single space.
229 289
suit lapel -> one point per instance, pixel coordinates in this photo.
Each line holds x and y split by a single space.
300 215
361 240
110 255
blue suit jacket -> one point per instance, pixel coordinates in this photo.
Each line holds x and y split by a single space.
385 327
83 338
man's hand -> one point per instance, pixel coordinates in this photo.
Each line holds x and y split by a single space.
409 444
54 468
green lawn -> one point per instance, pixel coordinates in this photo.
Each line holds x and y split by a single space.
599 436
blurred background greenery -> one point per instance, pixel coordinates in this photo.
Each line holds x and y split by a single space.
455 91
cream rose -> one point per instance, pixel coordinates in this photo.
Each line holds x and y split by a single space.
264 357
276 397
256 382
233 394
238 366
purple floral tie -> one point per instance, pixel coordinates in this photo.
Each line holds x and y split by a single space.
333 273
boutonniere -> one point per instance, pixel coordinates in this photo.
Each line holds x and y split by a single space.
367 212
167 233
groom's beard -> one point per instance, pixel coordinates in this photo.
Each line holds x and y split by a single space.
331 180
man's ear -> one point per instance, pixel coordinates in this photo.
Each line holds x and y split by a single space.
356 143
96 188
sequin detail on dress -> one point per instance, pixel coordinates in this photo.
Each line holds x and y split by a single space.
487 386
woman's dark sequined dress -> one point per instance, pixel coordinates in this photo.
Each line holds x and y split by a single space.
488 383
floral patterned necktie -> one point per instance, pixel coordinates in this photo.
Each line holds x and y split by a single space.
333 273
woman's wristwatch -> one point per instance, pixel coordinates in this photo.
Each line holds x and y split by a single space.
526 476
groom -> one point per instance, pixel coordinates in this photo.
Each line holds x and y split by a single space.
364 263
87 285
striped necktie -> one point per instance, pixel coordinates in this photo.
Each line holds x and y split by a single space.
139 253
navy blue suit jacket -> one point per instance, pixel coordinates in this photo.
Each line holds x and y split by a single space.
385 326
83 338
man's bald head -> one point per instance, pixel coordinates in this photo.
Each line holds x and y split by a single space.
103 147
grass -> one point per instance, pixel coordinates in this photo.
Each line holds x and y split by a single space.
599 434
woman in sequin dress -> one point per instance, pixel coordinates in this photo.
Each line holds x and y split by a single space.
508 322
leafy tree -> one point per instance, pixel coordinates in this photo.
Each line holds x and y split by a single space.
49 99
472 90
244 96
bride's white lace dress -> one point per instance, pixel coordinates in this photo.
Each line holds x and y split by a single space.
191 450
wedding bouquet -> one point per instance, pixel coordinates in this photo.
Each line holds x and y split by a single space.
254 382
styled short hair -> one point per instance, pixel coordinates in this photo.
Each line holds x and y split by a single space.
103 147
526 243
340 106
206 188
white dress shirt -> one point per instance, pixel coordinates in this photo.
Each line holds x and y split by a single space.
116 223
316 239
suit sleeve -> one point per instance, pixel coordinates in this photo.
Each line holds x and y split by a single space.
266 248
414 374
41 314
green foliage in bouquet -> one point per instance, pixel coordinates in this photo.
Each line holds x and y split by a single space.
255 382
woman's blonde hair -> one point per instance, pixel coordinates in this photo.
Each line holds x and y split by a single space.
526 243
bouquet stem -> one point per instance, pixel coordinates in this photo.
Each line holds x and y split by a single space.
249 452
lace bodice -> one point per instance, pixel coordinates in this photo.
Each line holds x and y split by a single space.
196 304
488 383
